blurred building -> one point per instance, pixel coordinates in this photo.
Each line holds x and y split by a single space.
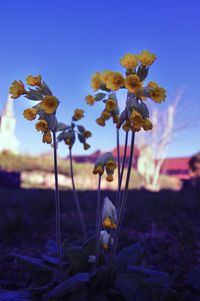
143 160
176 167
8 140
93 157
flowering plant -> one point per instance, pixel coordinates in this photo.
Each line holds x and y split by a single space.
133 118
47 123
95 267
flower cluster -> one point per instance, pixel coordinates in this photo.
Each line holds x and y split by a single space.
109 222
105 162
111 109
45 108
68 134
136 115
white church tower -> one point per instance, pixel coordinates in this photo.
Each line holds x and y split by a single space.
8 140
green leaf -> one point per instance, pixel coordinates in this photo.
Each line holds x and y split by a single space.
61 136
128 285
34 95
139 284
81 138
62 127
78 260
150 276
47 89
100 96
33 263
129 255
81 128
69 286
15 296
53 261
143 110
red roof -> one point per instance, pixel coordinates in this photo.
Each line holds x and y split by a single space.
175 164
121 150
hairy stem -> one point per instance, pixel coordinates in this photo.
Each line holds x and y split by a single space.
57 204
118 164
122 173
76 199
124 199
98 219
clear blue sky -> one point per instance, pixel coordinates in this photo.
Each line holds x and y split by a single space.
67 41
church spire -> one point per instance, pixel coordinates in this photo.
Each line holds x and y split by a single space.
8 140
8 108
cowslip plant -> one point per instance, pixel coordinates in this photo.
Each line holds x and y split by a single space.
95 268
68 135
133 118
47 124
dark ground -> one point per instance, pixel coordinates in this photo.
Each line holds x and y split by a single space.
167 223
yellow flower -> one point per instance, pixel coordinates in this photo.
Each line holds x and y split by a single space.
34 80
111 105
105 75
115 81
78 114
107 223
68 141
147 125
49 104
105 115
132 83
146 58
30 114
98 170
96 81
105 246
129 61
100 121
152 85
111 164
109 178
17 89
114 226
136 117
86 146
136 127
89 100
158 94
42 125
87 134
126 126
47 137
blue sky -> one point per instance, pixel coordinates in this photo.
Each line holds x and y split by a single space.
67 41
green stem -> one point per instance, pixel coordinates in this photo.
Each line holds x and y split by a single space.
98 217
123 202
57 204
76 199
120 176
122 172
118 163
